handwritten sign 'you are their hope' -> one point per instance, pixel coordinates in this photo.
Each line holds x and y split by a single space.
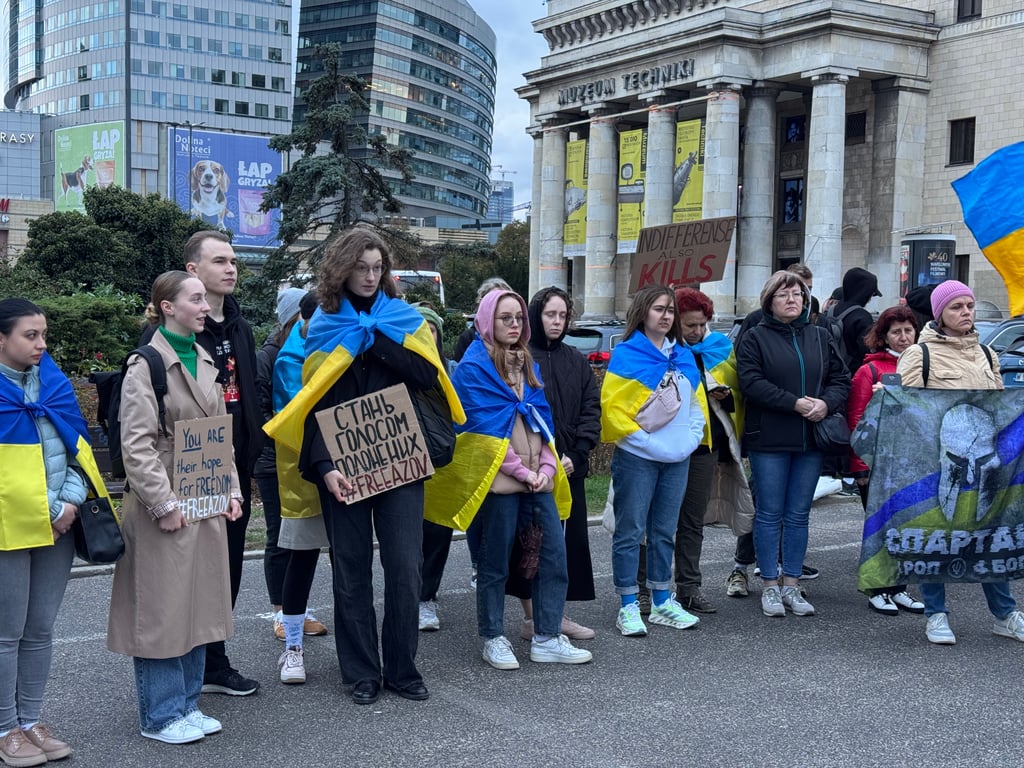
376 442
202 466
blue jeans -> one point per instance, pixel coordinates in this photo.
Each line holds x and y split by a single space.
997 594
500 518
648 495
168 689
784 485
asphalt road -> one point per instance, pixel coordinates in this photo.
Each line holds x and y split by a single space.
846 687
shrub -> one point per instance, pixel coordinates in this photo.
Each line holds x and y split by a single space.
92 331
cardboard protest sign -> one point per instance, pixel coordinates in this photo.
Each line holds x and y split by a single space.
202 466
682 254
375 442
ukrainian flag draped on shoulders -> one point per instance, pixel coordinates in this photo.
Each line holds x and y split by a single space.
335 340
719 359
24 508
634 372
456 491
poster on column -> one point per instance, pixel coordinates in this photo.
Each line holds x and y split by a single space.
574 239
632 170
221 179
688 175
84 157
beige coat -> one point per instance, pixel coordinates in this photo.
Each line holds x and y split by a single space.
171 591
954 362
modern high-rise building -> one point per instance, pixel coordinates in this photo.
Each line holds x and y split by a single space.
110 80
499 207
431 69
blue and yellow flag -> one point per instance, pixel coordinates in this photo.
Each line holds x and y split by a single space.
455 493
335 340
992 199
946 493
24 508
716 352
634 372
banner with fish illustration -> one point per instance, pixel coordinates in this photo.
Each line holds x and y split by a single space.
946 496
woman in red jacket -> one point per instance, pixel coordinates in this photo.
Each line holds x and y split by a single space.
894 331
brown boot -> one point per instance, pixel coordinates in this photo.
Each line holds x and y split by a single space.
41 735
17 750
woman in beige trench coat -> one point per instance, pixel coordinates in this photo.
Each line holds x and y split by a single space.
171 592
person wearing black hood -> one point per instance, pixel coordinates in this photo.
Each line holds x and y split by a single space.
575 400
228 339
859 287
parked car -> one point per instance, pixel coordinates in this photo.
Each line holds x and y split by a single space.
1004 335
595 341
1011 365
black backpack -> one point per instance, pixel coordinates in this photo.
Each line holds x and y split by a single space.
834 324
435 417
108 409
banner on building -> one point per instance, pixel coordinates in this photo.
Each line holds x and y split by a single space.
84 157
632 180
946 498
574 239
688 176
220 179
686 253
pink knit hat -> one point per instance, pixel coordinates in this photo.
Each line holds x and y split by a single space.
945 293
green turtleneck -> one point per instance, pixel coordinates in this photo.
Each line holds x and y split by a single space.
185 346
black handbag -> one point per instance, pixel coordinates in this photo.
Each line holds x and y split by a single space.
831 434
97 533
435 417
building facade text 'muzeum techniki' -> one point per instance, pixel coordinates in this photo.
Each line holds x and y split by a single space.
831 128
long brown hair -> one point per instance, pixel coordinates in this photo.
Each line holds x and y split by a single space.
339 262
165 288
642 303
497 350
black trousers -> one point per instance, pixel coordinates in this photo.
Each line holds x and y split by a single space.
437 542
397 518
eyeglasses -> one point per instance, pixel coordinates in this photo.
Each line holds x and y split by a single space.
509 320
794 295
363 270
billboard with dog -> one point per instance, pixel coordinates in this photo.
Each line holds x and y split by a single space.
221 178
86 156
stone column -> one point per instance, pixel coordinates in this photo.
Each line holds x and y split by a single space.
661 158
826 154
897 171
602 216
535 207
721 178
755 244
551 216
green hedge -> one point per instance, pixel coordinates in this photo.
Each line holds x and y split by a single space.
91 331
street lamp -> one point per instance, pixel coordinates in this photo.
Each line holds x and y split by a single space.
174 161
191 125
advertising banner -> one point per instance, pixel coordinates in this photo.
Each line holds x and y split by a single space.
574 239
632 169
221 178
688 177
86 156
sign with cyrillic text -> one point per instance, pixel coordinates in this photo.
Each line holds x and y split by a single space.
375 441
202 466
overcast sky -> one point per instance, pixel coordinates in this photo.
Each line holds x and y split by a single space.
519 50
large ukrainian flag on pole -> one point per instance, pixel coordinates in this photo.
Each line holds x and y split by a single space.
335 340
24 507
992 198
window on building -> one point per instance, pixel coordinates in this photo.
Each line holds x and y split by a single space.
262 23
136 66
158 99
968 9
259 81
220 105
195 43
173 41
241 107
281 26
83 102
159 8
221 17
214 46
138 6
83 72
238 78
218 76
97 68
177 71
201 103
112 67
156 68
234 49
151 37
255 51
274 54
961 141
179 11
99 99
180 101
280 113
262 110
242 20
856 127
198 73
201 14
277 83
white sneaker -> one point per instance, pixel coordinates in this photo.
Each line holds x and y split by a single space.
558 650
292 666
827 486
793 600
771 602
428 617
179 731
937 630
204 723
629 622
908 602
884 605
498 653
1012 626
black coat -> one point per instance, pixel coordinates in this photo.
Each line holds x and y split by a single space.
266 464
778 363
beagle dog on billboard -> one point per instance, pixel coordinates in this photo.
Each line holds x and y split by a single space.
75 181
210 182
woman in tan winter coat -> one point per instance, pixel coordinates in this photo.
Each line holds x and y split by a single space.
171 592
